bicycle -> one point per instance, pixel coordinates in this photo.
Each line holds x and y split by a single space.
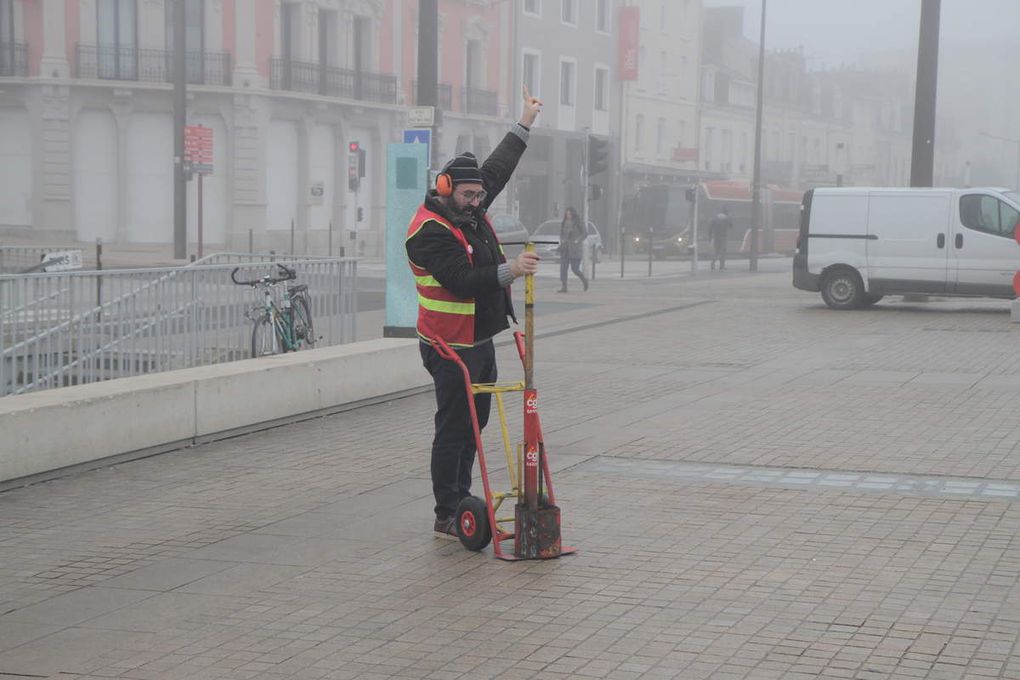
284 327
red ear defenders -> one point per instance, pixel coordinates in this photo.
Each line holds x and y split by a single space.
444 184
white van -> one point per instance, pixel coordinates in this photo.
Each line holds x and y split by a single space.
858 244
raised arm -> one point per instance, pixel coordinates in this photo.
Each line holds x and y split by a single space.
501 163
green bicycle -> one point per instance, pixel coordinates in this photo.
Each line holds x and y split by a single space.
279 328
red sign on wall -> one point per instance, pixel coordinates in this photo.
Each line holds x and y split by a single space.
630 19
198 148
683 154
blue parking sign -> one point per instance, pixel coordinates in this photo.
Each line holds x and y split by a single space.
420 136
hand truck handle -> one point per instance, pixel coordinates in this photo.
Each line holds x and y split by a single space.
519 341
443 349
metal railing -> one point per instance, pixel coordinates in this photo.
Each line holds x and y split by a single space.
157 66
332 81
227 257
70 328
485 102
13 59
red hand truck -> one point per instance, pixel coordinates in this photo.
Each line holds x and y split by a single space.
536 521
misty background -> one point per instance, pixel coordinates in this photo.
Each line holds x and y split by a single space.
978 89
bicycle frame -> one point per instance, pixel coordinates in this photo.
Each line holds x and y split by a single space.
281 320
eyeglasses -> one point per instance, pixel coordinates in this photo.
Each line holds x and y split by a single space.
471 196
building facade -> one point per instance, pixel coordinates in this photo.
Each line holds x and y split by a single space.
660 137
289 86
819 128
565 56
475 98
286 87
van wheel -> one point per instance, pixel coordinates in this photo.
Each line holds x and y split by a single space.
843 289
871 299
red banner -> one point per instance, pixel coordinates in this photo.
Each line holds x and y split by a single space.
629 25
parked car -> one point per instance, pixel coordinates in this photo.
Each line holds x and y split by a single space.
510 230
549 233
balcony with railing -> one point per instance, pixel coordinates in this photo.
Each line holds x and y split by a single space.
13 59
445 95
332 81
148 65
484 102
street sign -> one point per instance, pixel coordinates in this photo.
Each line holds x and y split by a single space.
198 148
421 117
61 260
420 136
316 192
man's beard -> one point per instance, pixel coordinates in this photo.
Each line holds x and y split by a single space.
465 214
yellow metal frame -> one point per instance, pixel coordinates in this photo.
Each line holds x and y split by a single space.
512 461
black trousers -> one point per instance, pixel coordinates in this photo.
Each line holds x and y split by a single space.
574 265
453 447
719 252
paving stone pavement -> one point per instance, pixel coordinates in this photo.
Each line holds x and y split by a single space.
681 415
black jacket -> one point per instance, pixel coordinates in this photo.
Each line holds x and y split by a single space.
720 227
438 251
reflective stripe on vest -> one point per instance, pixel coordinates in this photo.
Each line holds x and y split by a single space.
440 312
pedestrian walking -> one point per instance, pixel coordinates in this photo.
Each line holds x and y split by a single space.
573 239
720 229
463 281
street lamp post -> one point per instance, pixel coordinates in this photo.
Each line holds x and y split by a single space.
922 157
180 120
1013 141
756 177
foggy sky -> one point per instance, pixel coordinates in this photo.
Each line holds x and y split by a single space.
834 32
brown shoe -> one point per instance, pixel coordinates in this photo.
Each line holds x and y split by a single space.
446 529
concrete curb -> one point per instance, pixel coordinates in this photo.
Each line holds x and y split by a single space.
62 429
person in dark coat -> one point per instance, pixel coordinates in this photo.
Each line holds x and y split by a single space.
720 229
463 281
572 241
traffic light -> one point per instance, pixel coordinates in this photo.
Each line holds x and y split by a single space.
598 155
355 165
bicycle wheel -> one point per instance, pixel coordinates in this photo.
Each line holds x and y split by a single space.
303 329
265 338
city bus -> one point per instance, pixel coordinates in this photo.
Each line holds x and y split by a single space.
780 215
661 215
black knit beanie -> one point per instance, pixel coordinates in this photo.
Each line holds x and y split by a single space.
464 168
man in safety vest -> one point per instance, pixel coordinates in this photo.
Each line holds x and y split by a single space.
463 281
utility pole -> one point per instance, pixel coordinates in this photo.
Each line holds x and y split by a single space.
922 157
585 177
180 120
428 66
516 80
756 178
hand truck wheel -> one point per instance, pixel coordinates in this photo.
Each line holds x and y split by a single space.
473 523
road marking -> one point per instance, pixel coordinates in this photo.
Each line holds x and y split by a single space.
801 478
